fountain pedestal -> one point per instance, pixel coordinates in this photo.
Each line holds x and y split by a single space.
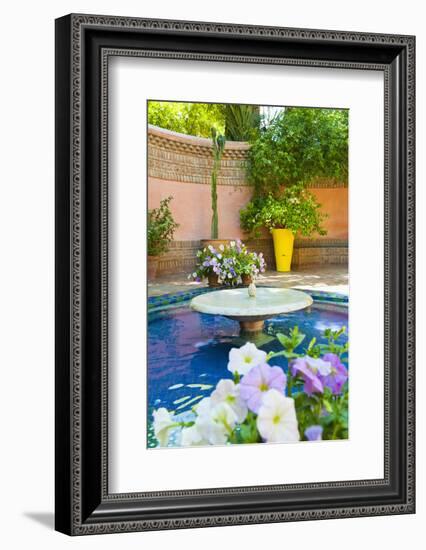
251 326
251 311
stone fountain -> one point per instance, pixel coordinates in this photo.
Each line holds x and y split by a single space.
250 307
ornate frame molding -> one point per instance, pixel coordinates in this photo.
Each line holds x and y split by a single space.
84 505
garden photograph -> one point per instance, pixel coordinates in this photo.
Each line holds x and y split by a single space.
247 274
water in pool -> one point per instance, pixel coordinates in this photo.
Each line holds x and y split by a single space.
188 351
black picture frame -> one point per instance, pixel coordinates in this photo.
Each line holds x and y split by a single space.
83 46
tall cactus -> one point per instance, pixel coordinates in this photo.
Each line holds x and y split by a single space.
218 148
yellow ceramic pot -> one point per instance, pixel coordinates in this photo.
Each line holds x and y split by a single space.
283 246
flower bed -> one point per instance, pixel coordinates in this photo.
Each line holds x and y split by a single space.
262 403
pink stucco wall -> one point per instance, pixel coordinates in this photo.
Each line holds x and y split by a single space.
334 201
191 208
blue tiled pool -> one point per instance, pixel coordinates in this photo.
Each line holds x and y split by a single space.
188 351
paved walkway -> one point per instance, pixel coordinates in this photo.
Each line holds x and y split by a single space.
332 278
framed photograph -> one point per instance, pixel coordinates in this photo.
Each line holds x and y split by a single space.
234 274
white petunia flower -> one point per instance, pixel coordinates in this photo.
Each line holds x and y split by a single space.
221 247
203 406
215 423
276 419
228 392
191 437
163 424
245 358
232 244
318 365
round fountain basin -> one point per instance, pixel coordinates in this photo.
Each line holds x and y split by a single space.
236 304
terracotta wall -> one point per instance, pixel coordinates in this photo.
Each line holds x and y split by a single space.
335 202
191 208
180 165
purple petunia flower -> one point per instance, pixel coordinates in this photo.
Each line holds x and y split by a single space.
259 380
338 375
313 433
313 383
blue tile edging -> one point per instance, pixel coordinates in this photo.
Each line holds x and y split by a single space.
176 299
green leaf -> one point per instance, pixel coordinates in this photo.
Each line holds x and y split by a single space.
311 343
284 353
283 339
327 405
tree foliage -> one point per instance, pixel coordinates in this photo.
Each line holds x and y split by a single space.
300 145
195 119
237 122
241 122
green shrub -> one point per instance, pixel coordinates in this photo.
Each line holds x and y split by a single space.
161 227
296 209
300 145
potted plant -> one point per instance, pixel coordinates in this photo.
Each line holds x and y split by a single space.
161 227
230 265
298 146
248 264
295 210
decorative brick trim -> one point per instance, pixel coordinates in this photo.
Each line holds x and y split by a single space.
195 144
179 157
320 243
181 255
320 256
324 183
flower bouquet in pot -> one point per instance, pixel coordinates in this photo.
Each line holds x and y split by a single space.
293 211
263 403
228 265
248 264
